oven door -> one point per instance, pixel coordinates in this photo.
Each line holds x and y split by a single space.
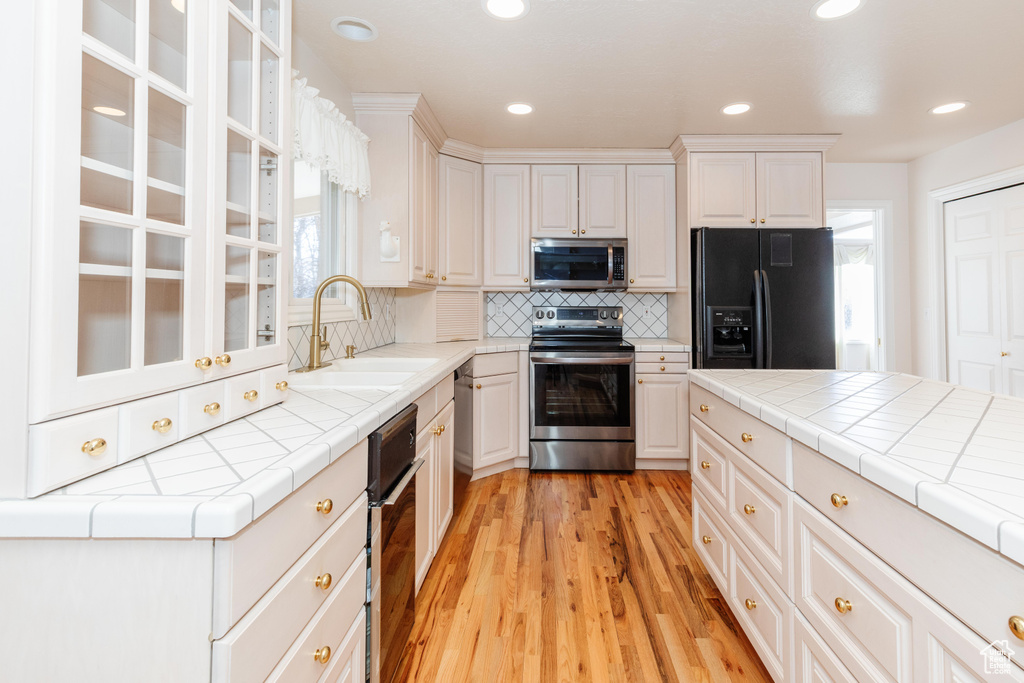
574 264
581 396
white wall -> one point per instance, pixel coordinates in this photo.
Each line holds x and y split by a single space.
887 183
322 76
992 152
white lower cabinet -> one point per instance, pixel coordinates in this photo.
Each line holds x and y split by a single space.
444 489
764 611
813 661
661 411
435 493
495 419
424 508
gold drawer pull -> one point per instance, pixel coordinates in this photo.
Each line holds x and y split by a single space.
663 368
526 279
663 357
747 438
839 501
324 581
639 381
478 386
750 604
211 409
705 539
162 426
281 386
704 408
749 509
704 464
250 395
322 654
1017 626
325 506
843 606
204 363
438 430
95 447
223 360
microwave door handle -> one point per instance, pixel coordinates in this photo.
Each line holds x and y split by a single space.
611 263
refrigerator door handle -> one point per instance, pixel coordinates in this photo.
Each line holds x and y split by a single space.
767 320
758 323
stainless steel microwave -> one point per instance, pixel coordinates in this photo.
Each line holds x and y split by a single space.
577 264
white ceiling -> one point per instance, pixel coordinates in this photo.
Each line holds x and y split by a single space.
636 73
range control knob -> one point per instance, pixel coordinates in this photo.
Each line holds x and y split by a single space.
551 315
540 315
604 315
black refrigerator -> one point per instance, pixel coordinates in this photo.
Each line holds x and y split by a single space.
763 298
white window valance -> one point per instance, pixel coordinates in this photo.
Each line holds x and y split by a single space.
325 138
850 254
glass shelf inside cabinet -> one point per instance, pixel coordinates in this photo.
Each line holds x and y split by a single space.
165 193
112 22
167 40
236 298
239 73
108 121
165 298
104 298
239 169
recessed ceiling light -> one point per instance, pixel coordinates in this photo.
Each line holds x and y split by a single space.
519 108
736 108
833 9
351 28
949 108
178 5
109 111
506 10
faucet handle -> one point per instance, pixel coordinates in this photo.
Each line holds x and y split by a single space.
350 351
324 343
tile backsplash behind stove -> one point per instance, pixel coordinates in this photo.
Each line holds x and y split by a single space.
515 309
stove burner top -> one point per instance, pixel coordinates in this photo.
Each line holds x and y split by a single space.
578 328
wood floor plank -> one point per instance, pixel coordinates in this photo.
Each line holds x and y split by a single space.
582 577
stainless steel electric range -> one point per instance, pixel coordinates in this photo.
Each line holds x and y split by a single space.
581 390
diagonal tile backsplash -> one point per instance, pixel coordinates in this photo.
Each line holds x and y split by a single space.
379 331
516 308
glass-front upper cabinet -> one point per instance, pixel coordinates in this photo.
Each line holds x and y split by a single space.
119 303
250 179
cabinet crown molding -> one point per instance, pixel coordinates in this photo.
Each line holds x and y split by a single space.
413 104
554 155
751 143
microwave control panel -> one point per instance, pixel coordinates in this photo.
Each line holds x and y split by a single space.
619 264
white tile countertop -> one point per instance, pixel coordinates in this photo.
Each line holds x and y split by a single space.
216 483
955 453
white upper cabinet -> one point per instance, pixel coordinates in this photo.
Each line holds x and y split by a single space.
423 207
506 226
723 189
602 201
460 222
789 190
555 201
651 227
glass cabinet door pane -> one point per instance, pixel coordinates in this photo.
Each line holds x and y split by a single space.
165 298
239 73
266 299
269 171
112 22
104 299
270 20
236 299
239 170
270 95
245 6
167 31
166 187
107 136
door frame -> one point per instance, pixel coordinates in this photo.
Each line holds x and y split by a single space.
885 319
937 250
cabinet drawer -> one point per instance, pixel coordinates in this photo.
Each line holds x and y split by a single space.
201 408
658 368
58 450
251 649
760 514
952 653
273 385
663 357
445 391
946 566
488 364
710 541
764 445
247 565
709 464
330 627
765 613
241 396
349 664
148 425
813 661
873 633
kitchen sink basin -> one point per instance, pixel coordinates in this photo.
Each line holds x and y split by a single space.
386 381
352 365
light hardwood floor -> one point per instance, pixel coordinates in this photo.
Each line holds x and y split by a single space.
574 577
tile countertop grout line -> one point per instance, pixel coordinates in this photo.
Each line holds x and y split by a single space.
967 442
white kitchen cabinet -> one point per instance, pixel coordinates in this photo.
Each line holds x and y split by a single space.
495 419
651 227
444 480
423 169
435 492
425 529
506 226
602 206
460 222
661 409
723 189
789 190
554 201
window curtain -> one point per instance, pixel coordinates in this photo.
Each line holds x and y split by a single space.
847 254
326 139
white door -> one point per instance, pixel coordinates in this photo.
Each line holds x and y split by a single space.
555 201
651 227
661 404
419 204
425 528
723 189
444 475
602 201
507 226
495 419
985 291
789 190
460 222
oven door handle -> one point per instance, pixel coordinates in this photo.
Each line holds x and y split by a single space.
597 359
403 482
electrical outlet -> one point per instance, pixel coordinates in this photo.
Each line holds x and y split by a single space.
499 310
647 313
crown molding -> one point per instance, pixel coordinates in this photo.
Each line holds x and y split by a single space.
463 150
752 143
413 104
562 155
677 149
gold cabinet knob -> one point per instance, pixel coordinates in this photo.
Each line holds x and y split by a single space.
211 409
526 279
1004 354
747 438
705 539
282 385
838 500
762 220
752 220
639 381
663 368
583 232
204 363
663 357
749 509
704 408
1017 626
251 395
478 386
223 360
162 425
843 606
322 654
437 431
442 428
704 464
631 280
324 581
444 277
95 447
325 506
750 604
574 232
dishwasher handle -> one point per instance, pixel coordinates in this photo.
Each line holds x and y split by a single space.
402 483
